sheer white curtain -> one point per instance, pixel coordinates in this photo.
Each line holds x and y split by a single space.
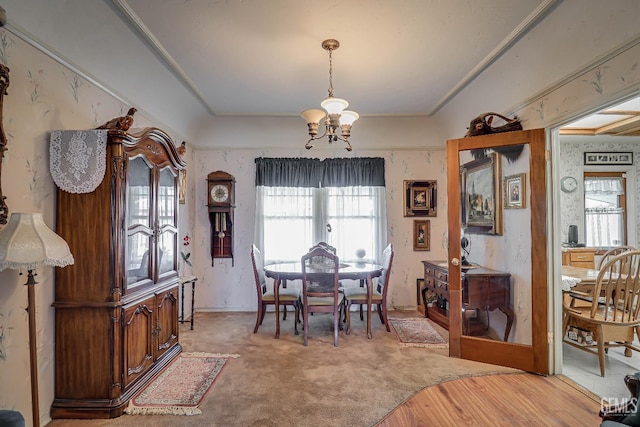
289 220
603 215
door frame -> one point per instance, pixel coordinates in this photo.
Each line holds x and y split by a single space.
534 357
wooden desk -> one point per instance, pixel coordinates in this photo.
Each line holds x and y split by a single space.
482 288
293 271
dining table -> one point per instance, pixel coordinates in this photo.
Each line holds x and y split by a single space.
364 272
578 278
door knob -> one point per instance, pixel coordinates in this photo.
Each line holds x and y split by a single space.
455 261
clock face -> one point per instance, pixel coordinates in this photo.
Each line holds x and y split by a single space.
568 184
219 193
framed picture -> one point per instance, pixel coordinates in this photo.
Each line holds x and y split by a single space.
420 198
481 194
419 285
514 189
421 235
608 158
182 187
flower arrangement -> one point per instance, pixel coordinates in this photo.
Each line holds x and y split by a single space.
185 255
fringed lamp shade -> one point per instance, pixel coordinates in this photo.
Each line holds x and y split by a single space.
26 243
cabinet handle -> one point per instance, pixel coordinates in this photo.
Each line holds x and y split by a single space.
455 261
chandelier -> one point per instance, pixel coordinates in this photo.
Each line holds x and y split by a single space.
334 114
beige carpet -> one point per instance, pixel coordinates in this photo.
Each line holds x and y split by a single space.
281 382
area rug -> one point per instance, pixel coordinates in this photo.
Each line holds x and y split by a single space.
180 387
417 332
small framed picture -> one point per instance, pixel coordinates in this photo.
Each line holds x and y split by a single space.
421 235
514 190
608 158
420 198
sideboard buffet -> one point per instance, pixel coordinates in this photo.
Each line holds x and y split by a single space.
116 308
482 289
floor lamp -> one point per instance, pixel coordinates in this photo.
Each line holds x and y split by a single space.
26 243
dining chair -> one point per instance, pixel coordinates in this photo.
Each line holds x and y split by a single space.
289 296
320 299
582 298
613 318
358 295
613 252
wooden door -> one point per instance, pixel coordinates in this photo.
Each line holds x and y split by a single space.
497 200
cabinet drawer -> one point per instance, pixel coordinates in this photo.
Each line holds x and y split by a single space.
429 282
428 270
441 275
440 285
582 257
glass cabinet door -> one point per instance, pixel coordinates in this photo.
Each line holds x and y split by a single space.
167 222
138 223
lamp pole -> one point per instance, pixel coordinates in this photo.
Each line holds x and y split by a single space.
33 348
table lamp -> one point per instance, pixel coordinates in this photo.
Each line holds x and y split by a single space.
26 243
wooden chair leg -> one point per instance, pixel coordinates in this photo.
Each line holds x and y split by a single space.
305 323
382 311
259 317
600 350
361 313
336 321
284 309
296 319
347 314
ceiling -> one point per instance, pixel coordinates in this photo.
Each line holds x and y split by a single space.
622 119
263 58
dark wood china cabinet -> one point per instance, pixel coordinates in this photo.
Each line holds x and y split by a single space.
116 308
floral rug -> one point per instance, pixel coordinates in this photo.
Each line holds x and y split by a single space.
417 332
180 388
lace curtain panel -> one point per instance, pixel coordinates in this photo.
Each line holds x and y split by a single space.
77 159
611 186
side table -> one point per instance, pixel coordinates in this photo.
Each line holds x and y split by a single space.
184 280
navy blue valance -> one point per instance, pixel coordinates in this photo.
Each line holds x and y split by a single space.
305 172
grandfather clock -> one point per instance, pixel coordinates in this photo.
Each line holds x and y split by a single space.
220 201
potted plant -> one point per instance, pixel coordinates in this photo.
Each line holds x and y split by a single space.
430 297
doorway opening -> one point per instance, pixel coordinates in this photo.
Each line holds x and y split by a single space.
590 150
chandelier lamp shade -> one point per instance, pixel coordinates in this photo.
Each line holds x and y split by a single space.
334 115
26 243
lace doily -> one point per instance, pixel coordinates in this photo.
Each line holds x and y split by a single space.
78 159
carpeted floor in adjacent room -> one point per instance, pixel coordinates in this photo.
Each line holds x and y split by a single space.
281 382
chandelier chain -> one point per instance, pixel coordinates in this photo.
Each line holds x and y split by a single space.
330 73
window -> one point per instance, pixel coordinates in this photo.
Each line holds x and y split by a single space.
604 208
291 219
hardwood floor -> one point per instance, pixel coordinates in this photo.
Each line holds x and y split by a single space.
498 400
